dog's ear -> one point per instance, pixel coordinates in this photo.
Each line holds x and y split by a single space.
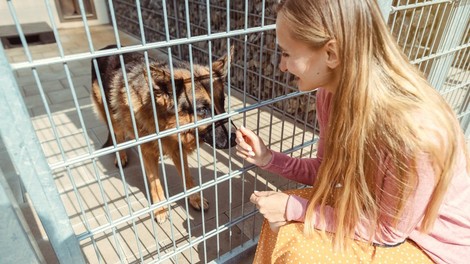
220 66
162 82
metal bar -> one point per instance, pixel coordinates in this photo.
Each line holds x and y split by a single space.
229 106
209 235
155 116
438 29
141 23
142 166
177 28
441 54
418 5
214 154
145 139
222 8
134 126
402 24
114 24
245 71
235 253
459 18
170 63
198 149
113 138
413 14
136 134
134 48
69 79
20 31
85 25
458 87
275 53
420 41
152 96
26 153
121 171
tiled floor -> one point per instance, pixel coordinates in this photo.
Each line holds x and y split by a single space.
96 194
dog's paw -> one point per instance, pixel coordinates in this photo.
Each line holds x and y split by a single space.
124 161
198 203
161 216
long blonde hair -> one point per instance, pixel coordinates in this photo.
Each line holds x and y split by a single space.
373 118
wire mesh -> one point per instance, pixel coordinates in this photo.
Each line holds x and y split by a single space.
110 207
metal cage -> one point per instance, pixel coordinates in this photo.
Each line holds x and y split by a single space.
64 199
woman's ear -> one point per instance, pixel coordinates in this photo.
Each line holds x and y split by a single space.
331 49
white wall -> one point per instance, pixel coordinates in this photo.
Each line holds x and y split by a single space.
30 11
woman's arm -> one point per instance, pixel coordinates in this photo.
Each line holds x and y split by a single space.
302 170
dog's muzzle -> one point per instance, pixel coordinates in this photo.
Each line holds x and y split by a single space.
217 136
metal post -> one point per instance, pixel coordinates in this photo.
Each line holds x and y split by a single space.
386 8
16 245
454 31
452 37
25 151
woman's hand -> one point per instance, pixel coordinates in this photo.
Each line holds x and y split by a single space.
272 205
252 148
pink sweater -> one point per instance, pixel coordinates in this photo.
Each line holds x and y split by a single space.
449 239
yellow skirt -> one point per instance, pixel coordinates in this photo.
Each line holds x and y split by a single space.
290 246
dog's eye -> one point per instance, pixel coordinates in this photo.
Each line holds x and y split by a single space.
203 111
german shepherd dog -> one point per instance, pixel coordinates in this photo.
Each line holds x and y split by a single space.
114 87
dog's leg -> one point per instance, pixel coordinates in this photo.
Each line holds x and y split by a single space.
156 190
120 137
194 199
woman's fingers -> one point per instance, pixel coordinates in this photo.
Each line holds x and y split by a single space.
242 155
241 142
257 198
244 149
248 133
254 197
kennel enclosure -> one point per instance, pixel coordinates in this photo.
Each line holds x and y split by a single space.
64 199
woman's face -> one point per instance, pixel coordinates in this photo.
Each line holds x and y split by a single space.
308 65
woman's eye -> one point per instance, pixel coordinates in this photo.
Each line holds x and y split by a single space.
284 54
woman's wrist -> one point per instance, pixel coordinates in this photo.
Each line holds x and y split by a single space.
266 158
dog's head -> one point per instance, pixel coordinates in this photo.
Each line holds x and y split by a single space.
194 101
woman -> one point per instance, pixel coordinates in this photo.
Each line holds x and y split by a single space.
391 179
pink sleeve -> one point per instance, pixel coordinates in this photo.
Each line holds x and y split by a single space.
303 170
296 208
300 170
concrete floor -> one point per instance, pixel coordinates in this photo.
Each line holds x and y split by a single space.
96 194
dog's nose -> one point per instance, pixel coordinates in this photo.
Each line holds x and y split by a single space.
233 136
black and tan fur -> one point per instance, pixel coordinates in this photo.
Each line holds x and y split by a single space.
118 104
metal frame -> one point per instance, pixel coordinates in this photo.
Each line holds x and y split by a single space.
81 7
443 60
22 144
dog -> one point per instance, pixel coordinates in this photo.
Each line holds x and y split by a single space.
139 80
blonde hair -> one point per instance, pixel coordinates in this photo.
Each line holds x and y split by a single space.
373 118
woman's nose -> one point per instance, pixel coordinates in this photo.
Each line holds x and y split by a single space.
282 65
